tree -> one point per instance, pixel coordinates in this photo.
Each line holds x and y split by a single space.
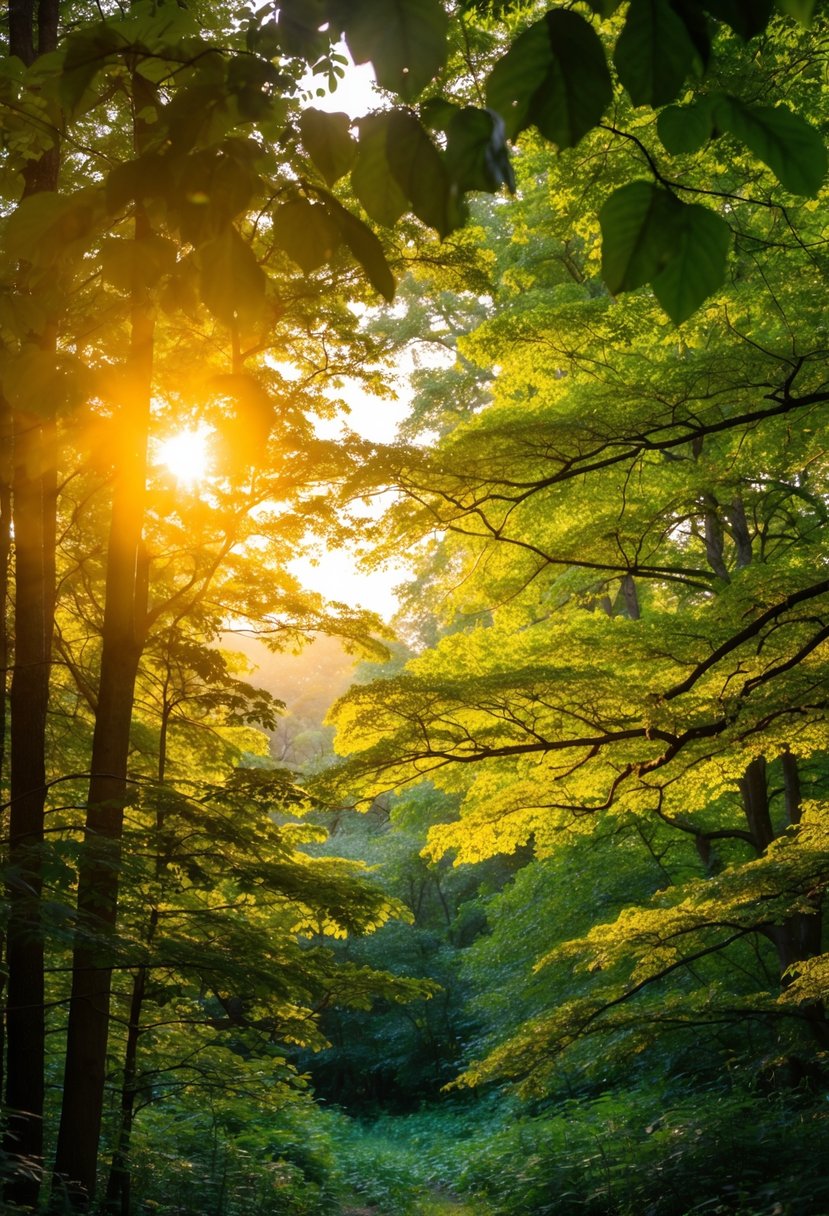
629 555
193 177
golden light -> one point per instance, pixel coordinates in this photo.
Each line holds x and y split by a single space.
186 455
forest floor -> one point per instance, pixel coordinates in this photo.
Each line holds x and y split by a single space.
436 1204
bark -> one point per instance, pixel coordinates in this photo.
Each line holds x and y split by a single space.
740 534
631 597
25 1029
122 645
34 497
714 539
799 936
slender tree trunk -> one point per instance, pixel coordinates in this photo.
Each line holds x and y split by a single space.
799 936
5 562
98 879
119 1183
34 497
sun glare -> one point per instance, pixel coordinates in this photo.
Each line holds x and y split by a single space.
187 456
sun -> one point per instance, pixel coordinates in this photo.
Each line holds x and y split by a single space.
186 455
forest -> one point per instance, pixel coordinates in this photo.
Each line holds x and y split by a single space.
508 899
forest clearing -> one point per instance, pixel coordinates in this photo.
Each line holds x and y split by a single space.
414 562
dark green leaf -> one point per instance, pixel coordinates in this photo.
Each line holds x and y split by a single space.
654 53
605 8
128 264
746 17
476 151
801 10
328 141
405 40
636 223
792 149
420 172
299 28
87 52
364 245
232 281
555 77
437 113
700 240
685 129
306 233
371 178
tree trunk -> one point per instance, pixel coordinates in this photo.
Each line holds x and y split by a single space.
122 646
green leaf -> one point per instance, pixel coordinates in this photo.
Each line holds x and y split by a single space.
299 27
700 241
476 151
405 40
420 172
637 227
128 264
745 17
42 227
554 76
793 150
685 129
364 245
87 52
654 53
328 141
604 8
305 232
232 281
437 113
801 10
371 178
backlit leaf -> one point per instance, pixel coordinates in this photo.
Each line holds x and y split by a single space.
654 53
745 17
328 141
636 223
232 281
555 77
792 149
306 233
420 172
405 40
371 178
700 241
476 151
684 129
364 245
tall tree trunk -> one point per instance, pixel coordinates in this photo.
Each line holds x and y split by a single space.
799 936
34 498
98 879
